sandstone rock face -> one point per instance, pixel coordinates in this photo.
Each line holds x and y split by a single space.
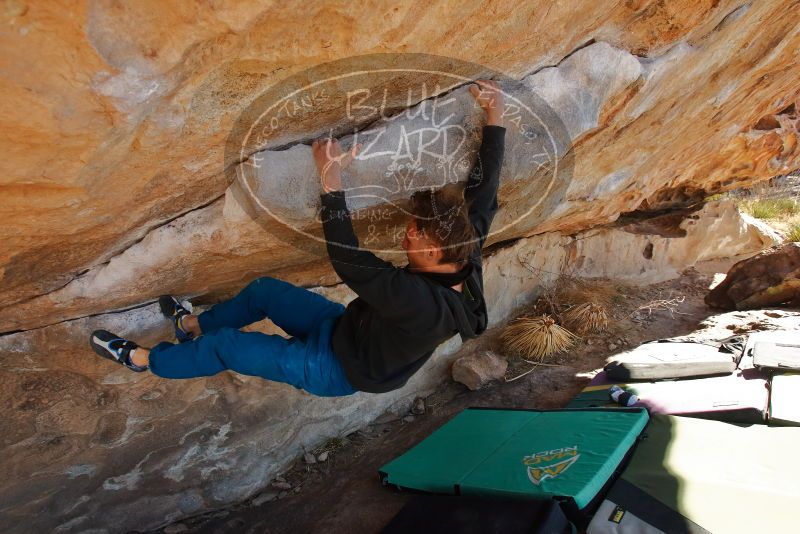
770 278
101 448
126 176
671 101
477 370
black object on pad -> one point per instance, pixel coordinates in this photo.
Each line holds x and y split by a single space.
437 514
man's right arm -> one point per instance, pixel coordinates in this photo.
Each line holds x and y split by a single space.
391 291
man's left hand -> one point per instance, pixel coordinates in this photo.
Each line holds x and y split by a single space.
490 97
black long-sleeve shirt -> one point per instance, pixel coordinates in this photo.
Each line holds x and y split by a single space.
399 318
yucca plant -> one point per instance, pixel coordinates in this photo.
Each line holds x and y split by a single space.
587 317
575 290
536 337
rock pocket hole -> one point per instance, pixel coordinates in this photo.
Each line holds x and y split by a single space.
648 251
790 110
767 122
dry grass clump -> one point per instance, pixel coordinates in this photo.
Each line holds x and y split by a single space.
793 232
586 317
568 292
770 208
536 337
546 305
577 291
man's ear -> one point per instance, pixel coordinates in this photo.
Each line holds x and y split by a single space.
411 228
435 253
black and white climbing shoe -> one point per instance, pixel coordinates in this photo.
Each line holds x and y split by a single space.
115 348
175 312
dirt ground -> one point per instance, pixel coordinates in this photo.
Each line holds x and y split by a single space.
344 494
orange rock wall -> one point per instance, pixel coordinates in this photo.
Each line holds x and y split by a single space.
115 113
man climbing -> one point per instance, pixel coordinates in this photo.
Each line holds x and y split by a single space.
386 334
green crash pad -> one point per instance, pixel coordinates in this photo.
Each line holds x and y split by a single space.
695 475
533 454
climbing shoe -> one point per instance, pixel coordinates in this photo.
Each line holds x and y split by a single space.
114 348
175 312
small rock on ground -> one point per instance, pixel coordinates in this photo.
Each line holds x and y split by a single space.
385 418
323 456
281 485
264 497
310 458
477 370
418 407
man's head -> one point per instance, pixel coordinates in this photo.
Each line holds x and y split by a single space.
439 231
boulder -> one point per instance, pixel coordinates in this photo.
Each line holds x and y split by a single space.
478 369
770 278
189 446
119 184
669 102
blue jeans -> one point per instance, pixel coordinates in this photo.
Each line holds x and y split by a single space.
306 360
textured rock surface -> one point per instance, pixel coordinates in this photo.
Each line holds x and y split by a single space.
117 187
770 278
674 100
478 369
98 447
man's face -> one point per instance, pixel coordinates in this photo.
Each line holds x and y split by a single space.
421 251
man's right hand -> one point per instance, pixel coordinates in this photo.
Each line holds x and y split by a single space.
330 159
489 97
